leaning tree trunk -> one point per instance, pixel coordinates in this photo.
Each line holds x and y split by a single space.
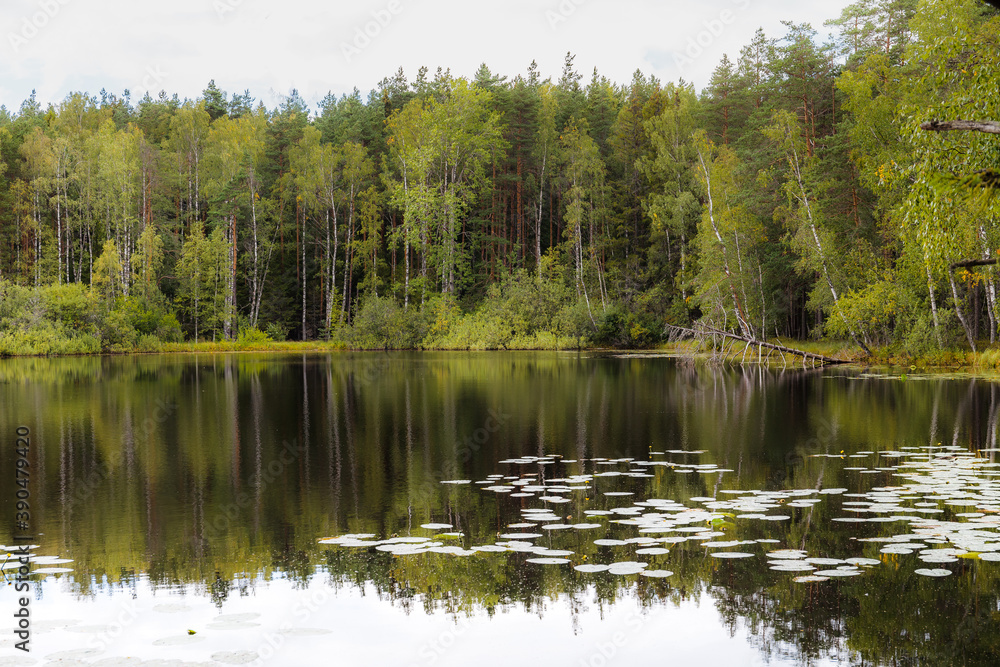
745 328
804 198
958 311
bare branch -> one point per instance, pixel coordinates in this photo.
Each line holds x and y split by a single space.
969 263
988 126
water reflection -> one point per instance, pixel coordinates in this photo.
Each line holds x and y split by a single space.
217 473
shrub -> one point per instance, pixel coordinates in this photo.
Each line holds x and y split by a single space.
69 305
382 323
169 329
148 343
573 321
276 331
920 338
871 313
441 315
518 312
627 329
250 336
116 331
46 339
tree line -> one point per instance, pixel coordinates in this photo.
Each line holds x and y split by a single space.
796 195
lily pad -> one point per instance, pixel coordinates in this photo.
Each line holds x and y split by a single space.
235 657
862 561
591 567
627 567
791 566
51 570
731 554
179 640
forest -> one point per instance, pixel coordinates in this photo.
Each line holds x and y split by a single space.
812 190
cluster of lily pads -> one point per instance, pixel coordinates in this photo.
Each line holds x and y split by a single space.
930 476
10 560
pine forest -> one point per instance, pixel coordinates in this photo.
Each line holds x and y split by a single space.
814 189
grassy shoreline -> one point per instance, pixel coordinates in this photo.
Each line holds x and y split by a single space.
950 360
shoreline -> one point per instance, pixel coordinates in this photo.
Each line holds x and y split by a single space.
939 361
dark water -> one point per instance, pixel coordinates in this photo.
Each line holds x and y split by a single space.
190 493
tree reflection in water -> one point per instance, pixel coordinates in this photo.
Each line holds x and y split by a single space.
223 471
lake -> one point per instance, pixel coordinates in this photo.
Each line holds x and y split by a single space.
581 509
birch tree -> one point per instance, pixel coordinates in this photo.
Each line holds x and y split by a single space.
716 176
440 148
583 172
804 217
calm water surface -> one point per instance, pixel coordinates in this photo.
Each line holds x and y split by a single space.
191 493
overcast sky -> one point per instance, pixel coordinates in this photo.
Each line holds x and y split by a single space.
318 46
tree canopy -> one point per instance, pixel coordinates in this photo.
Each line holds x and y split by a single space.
811 189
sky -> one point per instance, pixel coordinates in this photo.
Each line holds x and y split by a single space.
56 47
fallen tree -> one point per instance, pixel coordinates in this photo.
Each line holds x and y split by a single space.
702 331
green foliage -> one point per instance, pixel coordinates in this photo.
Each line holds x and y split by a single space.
519 312
276 331
69 305
920 337
381 323
443 313
72 319
628 330
46 340
117 332
57 319
574 321
794 194
873 310
250 336
108 272
151 320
